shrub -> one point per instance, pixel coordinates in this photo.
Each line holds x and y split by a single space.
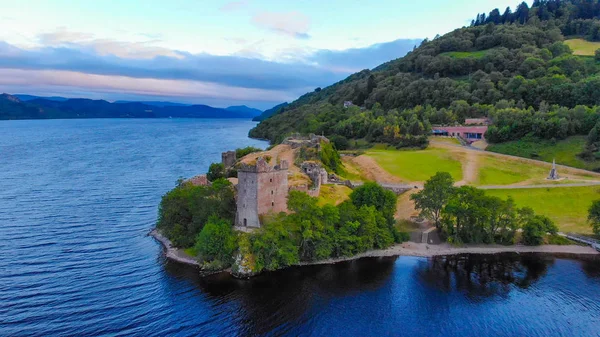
184 210
341 143
242 152
216 171
216 243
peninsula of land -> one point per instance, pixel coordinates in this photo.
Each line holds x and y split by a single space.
295 204
408 249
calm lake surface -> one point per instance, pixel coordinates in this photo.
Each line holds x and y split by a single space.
77 198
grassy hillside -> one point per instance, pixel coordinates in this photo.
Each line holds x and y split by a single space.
582 47
564 151
566 206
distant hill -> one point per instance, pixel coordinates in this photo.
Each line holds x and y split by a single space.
11 107
154 103
270 112
244 110
26 98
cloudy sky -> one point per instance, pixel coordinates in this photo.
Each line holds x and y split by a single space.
254 52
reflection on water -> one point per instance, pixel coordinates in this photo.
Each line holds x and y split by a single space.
379 296
484 275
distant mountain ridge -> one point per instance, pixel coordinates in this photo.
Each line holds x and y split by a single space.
270 112
244 109
12 107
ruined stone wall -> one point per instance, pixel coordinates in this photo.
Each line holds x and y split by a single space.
247 200
228 158
272 192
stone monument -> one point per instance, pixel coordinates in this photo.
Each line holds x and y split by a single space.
553 172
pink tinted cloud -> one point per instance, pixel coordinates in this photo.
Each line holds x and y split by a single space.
141 86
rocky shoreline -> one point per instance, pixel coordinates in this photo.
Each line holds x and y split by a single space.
411 249
171 252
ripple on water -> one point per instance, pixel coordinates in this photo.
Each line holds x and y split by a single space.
78 197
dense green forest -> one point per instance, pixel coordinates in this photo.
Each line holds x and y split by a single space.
513 67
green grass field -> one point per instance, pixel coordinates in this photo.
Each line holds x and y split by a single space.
582 47
496 171
418 165
565 151
465 54
566 206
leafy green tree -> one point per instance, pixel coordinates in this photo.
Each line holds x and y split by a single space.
242 152
185 210
533 232
372 194
432 199
594 216
275 246
316 225
465 218
597 55
216 171
216 243
331 158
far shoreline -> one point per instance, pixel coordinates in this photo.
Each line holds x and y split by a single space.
408 249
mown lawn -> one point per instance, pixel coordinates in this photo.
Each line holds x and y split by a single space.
583 47
333 194
566 206
565 151
418 165
497 171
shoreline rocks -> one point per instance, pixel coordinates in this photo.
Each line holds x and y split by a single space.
404 249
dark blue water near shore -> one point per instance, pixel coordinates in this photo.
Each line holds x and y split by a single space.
77 198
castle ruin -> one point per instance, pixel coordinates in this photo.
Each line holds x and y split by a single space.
317 174
261 189
228 159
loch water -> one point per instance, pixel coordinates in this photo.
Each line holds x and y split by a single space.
78 197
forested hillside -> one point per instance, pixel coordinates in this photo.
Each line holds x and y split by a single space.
514 67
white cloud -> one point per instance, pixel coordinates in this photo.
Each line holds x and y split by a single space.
131 50
293 24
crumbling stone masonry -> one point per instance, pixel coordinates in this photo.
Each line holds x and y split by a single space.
261 189
228 159
317 174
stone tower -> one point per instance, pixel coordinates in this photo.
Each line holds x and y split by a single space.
228 159
553 172
261 189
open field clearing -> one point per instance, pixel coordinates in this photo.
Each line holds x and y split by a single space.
567 206
582 47
418 165
564 151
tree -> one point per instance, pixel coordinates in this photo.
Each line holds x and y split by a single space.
434 196
594 216
536 228
216 171
185 210
216 243
372 194
597 55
